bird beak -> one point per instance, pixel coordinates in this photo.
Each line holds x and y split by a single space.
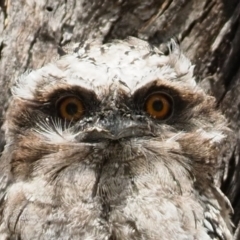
116 130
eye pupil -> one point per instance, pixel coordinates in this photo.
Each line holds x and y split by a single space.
157 105
71 108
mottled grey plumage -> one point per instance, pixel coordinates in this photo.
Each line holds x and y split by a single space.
116 171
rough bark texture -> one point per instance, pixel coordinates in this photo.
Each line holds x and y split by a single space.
208 30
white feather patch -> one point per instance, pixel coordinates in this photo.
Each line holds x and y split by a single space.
55 134
213 136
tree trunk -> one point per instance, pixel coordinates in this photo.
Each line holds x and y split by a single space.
208 30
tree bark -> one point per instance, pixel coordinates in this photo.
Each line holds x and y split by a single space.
31 32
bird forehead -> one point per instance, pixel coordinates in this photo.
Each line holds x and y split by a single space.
127 74
100 67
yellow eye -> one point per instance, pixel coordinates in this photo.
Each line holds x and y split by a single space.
71 108
159 105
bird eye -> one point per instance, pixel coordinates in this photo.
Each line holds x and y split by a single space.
159 105
71 108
